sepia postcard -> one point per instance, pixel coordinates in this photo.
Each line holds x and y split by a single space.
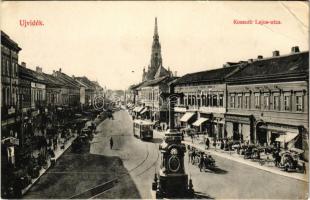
154 99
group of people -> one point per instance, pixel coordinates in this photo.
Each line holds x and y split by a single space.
203 159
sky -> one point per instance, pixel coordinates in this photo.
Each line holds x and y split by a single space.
111 41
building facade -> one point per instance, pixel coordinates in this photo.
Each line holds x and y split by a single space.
154 104
9 85
268 101
203 105
70 94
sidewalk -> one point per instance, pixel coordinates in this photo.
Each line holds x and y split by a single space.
232 155
58 153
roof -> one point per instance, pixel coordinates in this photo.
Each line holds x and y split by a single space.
161 72
209 75
133 87
67 80
24 73
85 81
31 75
5 39
292 65
53 81
164 79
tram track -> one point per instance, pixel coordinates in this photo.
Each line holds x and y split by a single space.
137 175
149 161
152 165
93 192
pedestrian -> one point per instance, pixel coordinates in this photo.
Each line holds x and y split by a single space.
193 155
189 155
111 143
207 143
201 161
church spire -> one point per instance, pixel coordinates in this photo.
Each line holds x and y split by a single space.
156 29
156 59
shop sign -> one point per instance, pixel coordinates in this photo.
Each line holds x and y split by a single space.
238 119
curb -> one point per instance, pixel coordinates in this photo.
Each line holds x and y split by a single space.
286 174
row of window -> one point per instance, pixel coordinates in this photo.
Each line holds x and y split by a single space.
54 98
267 102
9 68
213 100
9 98
150 95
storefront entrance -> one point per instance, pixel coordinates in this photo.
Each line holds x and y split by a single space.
236 135
261 135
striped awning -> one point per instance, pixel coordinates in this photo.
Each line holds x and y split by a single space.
144 110
199 121
138 109
186 116
287 137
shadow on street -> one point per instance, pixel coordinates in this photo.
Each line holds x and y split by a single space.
75 173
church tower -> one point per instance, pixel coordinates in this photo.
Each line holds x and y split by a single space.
156 59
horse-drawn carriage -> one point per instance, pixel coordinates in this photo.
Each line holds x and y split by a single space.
202 159
290 160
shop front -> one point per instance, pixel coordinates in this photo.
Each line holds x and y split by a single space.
285 136
187 119
238 127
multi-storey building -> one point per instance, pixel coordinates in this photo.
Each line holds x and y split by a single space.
9 84
25 79
154 105
203 104
268 100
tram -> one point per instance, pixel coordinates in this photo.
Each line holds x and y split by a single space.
143 129
172 181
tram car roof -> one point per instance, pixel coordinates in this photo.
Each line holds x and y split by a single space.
143 122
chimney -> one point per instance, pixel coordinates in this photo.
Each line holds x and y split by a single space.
275 53
295 49
23 64
175 73
54 73
226 65
250 60
260 57
38 69
59 69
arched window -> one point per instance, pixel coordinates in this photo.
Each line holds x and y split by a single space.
203 100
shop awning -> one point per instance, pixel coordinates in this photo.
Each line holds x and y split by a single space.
186 117
138 109
199 121
144 110
286 137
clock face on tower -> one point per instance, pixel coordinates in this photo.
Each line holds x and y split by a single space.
174 161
